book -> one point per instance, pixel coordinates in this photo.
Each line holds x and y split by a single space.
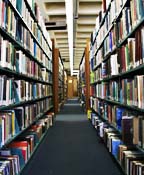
19 116
130 158
127 125
23 146
14 163
119 115
135 130
114 65
115 146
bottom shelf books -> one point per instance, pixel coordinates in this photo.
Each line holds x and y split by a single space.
15 155
12 122
128 156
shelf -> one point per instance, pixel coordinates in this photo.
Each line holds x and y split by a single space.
17 44
116 18
132 32
122 75
139 148
129 73
97 82
36 65
109 53
24 103
106 120
134 108
35 148
104 38
119 13
14 137
107 79
114 158
95 67
33 16
11 73
106 57
102 22
22 20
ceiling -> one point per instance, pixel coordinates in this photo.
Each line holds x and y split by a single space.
84 18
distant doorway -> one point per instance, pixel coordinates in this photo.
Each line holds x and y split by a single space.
72 87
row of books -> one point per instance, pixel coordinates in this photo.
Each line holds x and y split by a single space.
15 120
17 29
130 124
130 55
16 60
41 22
61 72
15 91
82 71
119 31
108 21
25 66
128 156
106 69
11 57
16 154
31 24
131 15
126 91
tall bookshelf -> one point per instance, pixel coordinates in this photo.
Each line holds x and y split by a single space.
25 82
116 81
58 79
65 90
61 82
84 78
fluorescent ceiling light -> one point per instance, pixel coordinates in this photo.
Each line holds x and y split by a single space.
69 17
75 72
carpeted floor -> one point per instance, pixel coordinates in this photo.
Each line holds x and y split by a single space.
71 147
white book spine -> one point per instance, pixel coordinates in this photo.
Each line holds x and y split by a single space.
3 53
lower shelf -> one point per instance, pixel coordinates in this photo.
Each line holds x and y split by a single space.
35 149
129 158
17 153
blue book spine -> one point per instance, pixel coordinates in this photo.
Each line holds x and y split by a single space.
18 151
19 6
141 8
35 49
5 15
16 94
17 128
110 41
34 91
17 63
119 113
115 147
0 132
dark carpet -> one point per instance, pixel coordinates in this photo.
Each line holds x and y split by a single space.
71 147
72 106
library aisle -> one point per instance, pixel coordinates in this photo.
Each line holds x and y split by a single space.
71 147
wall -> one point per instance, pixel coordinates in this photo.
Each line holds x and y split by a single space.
72 87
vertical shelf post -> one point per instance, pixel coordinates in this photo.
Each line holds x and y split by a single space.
55 76
87 75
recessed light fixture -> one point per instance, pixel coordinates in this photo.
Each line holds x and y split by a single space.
69 17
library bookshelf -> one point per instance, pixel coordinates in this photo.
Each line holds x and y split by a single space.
26 97
58 79
84 78
116 82
65 90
